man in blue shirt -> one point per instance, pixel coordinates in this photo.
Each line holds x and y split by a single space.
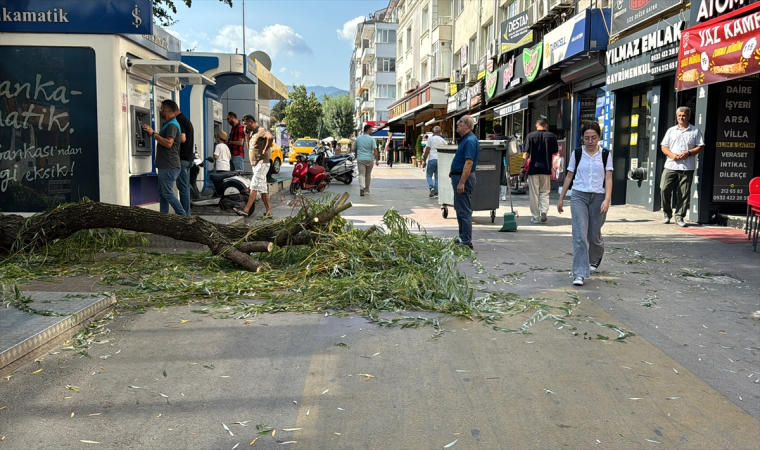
366 154
463 177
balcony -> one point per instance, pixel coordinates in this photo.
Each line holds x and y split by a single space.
367 105
368 55
368 80
441 29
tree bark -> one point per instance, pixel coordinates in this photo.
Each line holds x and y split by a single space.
234 242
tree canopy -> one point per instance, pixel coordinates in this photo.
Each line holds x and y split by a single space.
278 110
163 10
339 115
304 113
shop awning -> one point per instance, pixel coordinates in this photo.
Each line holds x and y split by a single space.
173 73
543 92
512 107
703 61
401 117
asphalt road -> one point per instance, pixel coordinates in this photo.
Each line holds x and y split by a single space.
685 380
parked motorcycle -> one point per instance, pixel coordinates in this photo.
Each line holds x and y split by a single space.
308 177
339 167
230 188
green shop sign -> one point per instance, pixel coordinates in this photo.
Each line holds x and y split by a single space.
532 61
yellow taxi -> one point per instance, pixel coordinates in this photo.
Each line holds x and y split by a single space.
304 145
275 157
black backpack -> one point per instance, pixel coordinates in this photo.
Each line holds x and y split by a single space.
579 154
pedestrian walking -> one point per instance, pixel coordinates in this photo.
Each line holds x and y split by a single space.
236 140
590 173
167 157
540 146
366 152
390 147
186 157
222 153
462 174
430 159
681 144
259 142
498 135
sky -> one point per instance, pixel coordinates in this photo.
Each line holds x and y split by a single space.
310 41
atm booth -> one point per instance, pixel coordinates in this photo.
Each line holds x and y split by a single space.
202 102
72 104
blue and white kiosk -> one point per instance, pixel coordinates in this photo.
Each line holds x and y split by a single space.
77 79
202 103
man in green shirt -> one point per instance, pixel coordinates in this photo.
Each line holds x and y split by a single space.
365 149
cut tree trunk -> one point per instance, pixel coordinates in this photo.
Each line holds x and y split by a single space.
234 242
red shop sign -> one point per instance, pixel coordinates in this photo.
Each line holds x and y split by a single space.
721 49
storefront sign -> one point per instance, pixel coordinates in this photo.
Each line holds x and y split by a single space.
451 104
462 99
532 61
48 127
736 140
642 56
473 95
518 105
492 79
482 67
166 45
721 50
704 10
463 56
565 41
508 73
76 16
629 13
516 32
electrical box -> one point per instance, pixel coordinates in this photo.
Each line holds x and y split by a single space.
141 141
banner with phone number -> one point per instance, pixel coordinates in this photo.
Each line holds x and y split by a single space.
722 49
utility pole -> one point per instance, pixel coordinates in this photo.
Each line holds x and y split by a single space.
244 52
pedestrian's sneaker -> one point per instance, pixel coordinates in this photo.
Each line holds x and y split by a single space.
361 192
665 218
543 217
594 265
534 220
504 198
578 281
366 192
680 223
432 192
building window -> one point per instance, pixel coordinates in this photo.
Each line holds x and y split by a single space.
399 48
424 73
386 36
386 64
425 19
382 116
459 6
512 9
398 88
386 91
408 38
473 55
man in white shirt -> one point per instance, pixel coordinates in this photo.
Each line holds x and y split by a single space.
430 159
681 144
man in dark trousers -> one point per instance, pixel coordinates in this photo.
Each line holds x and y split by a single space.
186 160
498 135
462 176
539 146
167 157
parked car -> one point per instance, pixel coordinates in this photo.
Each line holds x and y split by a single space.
304 146
276 157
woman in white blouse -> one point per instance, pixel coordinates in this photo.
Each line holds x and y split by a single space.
590 201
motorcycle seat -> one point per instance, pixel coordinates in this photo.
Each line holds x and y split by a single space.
315 170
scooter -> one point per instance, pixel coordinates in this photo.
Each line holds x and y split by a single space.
312 178
230 188
339 167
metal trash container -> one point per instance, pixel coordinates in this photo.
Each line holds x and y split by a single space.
485 196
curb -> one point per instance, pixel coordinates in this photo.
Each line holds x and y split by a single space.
44 328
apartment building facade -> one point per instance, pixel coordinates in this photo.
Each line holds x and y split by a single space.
373 68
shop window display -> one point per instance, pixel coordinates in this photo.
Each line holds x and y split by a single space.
640 127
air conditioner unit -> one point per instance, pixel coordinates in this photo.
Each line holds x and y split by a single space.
457 76
493 49
471 75
414 83
541 13
559 5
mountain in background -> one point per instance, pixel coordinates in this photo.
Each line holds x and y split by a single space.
319 91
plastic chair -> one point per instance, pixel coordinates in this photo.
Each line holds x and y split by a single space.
754 188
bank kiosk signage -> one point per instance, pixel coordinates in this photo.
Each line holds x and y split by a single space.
629 13
48 127
76 16
643 56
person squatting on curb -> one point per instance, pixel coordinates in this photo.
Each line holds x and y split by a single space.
259 143
462 174
540 145
681 144
592 192
366 152
167 157
430 158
